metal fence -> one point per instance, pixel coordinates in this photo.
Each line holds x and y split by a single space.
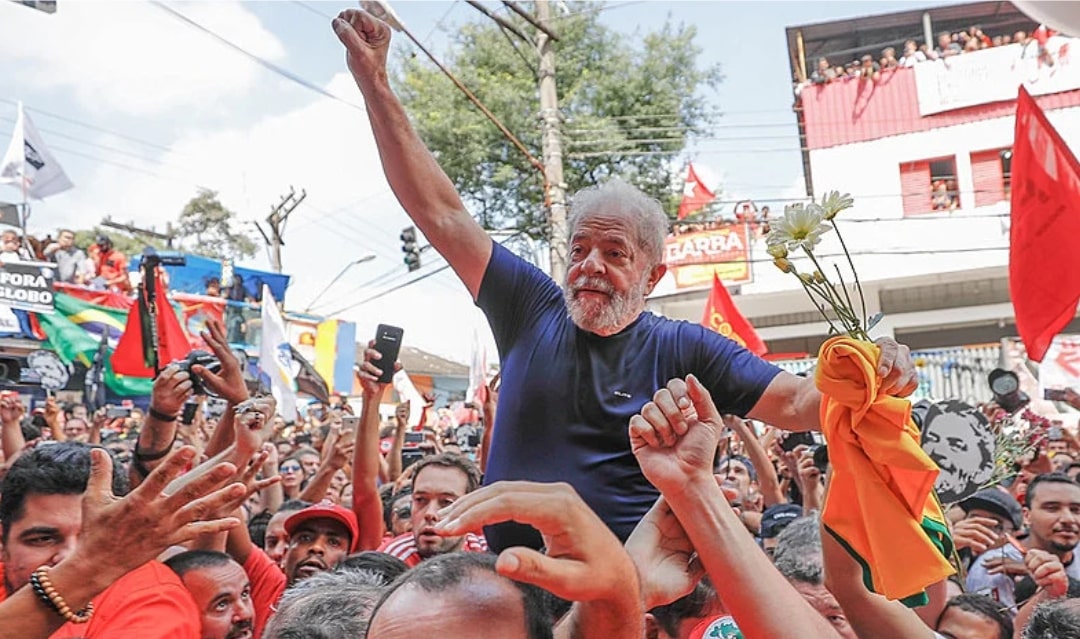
946 373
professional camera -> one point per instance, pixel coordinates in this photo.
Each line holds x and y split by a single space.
199 358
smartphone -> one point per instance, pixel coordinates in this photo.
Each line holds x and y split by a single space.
117 412
793 440
388 343
350 423
410 457
413 437
1055 433
1055 394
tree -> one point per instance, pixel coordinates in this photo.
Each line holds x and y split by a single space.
206 228
629 105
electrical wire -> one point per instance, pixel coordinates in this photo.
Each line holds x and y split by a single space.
255 58
87 125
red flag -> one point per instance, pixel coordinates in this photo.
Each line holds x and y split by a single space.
695 194
722 316
1044 263
130 356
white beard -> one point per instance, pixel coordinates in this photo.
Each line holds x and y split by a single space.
603 317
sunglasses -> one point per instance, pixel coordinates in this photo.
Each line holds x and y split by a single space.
290 468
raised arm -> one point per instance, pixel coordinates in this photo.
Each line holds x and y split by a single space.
366 503
422 188
768 481
675 440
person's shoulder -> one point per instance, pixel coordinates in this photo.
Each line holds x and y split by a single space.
397 546
152 584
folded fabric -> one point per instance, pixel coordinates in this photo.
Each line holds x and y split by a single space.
880 505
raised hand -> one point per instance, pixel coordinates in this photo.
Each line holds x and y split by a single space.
366 40
584 560
170 390
253 424
1047 571
228 383
976 534
11 408
372 369
664 557
674 437
124 533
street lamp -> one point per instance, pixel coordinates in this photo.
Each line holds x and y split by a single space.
366 258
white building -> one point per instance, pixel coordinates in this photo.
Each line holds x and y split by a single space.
940 277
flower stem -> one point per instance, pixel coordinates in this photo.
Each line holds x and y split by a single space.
847 254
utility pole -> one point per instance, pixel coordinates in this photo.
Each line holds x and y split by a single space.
276 222
552 141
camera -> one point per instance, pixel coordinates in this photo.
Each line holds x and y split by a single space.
199 358
821 457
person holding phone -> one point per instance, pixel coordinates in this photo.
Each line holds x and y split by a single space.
577 361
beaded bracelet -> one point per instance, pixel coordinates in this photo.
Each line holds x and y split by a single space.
44 589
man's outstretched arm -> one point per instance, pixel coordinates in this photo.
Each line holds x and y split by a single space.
421 186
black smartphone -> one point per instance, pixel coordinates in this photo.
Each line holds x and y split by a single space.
1055 394
794 440
410 457
388 343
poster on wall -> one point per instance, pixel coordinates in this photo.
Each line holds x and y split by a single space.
693 257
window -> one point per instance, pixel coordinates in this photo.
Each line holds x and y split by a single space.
991 173
944 195
929 185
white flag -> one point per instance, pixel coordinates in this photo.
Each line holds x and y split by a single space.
29 165
275 358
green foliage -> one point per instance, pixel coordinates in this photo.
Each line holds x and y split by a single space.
619 97
206 228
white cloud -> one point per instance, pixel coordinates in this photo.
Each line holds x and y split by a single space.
134 58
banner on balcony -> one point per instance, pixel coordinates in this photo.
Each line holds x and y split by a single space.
694 257
993 75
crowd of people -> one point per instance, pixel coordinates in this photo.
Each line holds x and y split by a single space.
869 67
635 477
99 266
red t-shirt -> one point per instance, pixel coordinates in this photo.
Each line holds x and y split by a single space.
404 547
149 602
267 584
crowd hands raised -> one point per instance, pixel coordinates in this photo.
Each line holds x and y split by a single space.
674 518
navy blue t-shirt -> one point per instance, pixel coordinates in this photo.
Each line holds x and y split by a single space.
567 395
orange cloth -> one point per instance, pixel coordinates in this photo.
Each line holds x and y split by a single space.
880 504
149 602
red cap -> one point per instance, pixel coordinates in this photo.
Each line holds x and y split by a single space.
327 510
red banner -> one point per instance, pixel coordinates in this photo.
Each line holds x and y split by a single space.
722 316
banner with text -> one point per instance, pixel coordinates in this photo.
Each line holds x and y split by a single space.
27 286
993 75
694 257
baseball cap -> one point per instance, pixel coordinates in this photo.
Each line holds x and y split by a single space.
327 510
777 517
722 626
998 502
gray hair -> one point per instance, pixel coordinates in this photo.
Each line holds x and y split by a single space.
1055 620
798 551
329 605
650 224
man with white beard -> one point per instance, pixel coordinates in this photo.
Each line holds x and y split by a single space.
577 363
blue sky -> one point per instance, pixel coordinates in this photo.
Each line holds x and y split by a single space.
194 112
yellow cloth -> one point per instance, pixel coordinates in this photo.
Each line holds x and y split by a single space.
880 504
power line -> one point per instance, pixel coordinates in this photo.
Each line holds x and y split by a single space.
87 125
257 59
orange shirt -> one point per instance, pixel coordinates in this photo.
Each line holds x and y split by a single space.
149 602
